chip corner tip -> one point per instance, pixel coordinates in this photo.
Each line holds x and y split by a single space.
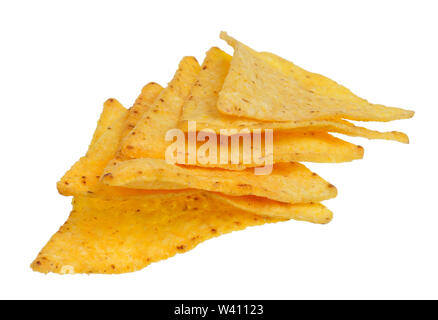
151 85
333 190
35 266
110 101
228 39
360 151
328 219
401 137
61 187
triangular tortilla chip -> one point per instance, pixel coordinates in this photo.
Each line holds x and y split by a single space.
202 104
84 177
143 102
291 182
255 88
147 139
85 173
112 112
110 236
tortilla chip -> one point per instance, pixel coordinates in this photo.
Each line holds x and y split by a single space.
85 173
317 147
202 104
291 182
112 111
257 89
310 212
314 147
109 236
84 177
146 98
147 138
312 81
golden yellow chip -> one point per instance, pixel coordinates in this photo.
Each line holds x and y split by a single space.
85 174
318 147
310 212
111 113
257 89
202 103
118 236
147 96
313 147
147 139
84 177
291 182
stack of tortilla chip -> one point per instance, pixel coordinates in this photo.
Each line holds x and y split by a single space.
131 207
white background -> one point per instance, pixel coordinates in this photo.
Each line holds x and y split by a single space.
59 61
